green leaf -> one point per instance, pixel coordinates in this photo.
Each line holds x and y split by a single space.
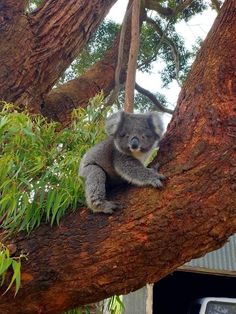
5 262
16 266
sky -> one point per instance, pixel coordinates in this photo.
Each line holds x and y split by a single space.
198 26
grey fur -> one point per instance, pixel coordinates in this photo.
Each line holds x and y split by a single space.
131 139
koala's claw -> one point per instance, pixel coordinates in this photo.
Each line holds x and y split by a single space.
108 207
161 176
157 183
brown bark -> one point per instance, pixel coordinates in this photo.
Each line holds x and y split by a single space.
59 103
93 256
35 49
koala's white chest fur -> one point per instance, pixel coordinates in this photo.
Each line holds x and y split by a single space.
142 157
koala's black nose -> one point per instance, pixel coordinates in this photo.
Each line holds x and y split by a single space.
134 143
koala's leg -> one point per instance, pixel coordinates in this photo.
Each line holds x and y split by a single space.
95 190
133 171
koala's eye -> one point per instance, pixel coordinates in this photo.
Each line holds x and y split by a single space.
121 134
148 134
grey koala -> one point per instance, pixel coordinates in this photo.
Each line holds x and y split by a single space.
120 157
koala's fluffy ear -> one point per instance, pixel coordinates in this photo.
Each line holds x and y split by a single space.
112 123
157 123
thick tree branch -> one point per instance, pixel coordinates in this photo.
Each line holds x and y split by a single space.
153 98
50 40
92 256
49 21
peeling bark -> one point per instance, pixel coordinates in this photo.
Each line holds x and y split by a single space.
93 256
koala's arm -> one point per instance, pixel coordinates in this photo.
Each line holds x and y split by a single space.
133 171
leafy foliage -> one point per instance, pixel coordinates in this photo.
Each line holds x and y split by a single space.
197 6
115 305
149 47
39 165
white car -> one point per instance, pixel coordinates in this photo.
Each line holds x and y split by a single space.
213 305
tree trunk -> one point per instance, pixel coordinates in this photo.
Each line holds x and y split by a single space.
36 48
92 256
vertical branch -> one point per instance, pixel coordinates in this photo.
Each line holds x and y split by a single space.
133 55
116 89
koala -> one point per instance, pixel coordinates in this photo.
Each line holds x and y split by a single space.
121 157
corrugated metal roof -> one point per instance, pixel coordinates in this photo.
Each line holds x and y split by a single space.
222 261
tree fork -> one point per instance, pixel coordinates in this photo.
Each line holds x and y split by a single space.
59 103
50 40
89 257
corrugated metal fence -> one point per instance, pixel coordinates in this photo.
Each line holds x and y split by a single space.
222 261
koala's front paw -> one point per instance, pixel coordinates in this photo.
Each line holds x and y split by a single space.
156 181
155 169
107 207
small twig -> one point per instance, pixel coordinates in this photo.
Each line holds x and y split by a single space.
153 98
169 42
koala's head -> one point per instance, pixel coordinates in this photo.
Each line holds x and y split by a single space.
134 133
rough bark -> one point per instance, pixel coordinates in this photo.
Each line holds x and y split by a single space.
50 38
90 257
59 103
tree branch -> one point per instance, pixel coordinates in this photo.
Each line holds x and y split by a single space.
153 98
155 6
169 42
166 11
116 89
133 56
